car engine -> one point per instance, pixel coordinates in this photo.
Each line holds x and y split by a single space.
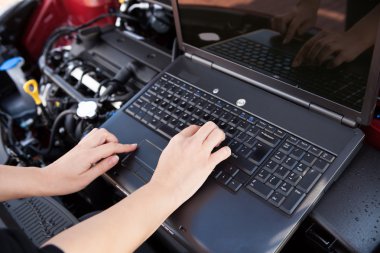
85 71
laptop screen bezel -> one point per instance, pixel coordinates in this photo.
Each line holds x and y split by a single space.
280 88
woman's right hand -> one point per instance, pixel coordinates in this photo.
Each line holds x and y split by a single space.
188 160
298 21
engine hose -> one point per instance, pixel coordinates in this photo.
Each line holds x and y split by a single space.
53 132
79 130
70 127
121 77
121 98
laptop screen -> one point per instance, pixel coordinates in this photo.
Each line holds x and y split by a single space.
321 47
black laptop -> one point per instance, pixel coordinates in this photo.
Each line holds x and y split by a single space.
291 134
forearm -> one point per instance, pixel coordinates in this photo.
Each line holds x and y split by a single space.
123 227
365 30
20 182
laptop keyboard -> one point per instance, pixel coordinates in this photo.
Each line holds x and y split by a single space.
267 161
338 85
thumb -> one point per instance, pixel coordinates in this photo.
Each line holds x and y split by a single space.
102 167
220 155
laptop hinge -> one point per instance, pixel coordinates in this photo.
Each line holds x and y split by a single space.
343 120
333 115
199 59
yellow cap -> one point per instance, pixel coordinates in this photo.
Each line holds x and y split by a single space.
31 87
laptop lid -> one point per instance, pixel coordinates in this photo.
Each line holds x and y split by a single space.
346 93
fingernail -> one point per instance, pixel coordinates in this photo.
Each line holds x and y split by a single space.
114 159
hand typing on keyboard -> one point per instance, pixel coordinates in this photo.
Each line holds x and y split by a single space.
336 48
330 48
297 21
188 160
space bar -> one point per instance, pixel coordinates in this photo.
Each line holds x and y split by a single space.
167 131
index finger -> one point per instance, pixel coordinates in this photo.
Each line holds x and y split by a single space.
301 55
205 130
291 32
190 130
109 149
98 137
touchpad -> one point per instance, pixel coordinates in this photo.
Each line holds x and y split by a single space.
147 154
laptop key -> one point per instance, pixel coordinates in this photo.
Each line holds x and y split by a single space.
242 137
309 180
270 166
297 153
261 124
243 152
132 110
282 172
155 123
231 131
253 130
293 178
321 165
139 103
139 115
280 133
217 112
250 142
262 175
234 146
268 138
147 119
180 126
234 185
223 178
289 163
286 148
308 159
230 169
167 131
293 140
304 145
315 151
301 169
276 199
209 108
235 121
260 151
292 201
273 182
251 119
260 189
242 177
285 188
243 164
278 157
270 129
327 157
243 125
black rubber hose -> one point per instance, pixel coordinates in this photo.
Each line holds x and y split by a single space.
53 132
121 77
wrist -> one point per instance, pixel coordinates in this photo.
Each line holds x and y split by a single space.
361 39
46 185
37 182
168 193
